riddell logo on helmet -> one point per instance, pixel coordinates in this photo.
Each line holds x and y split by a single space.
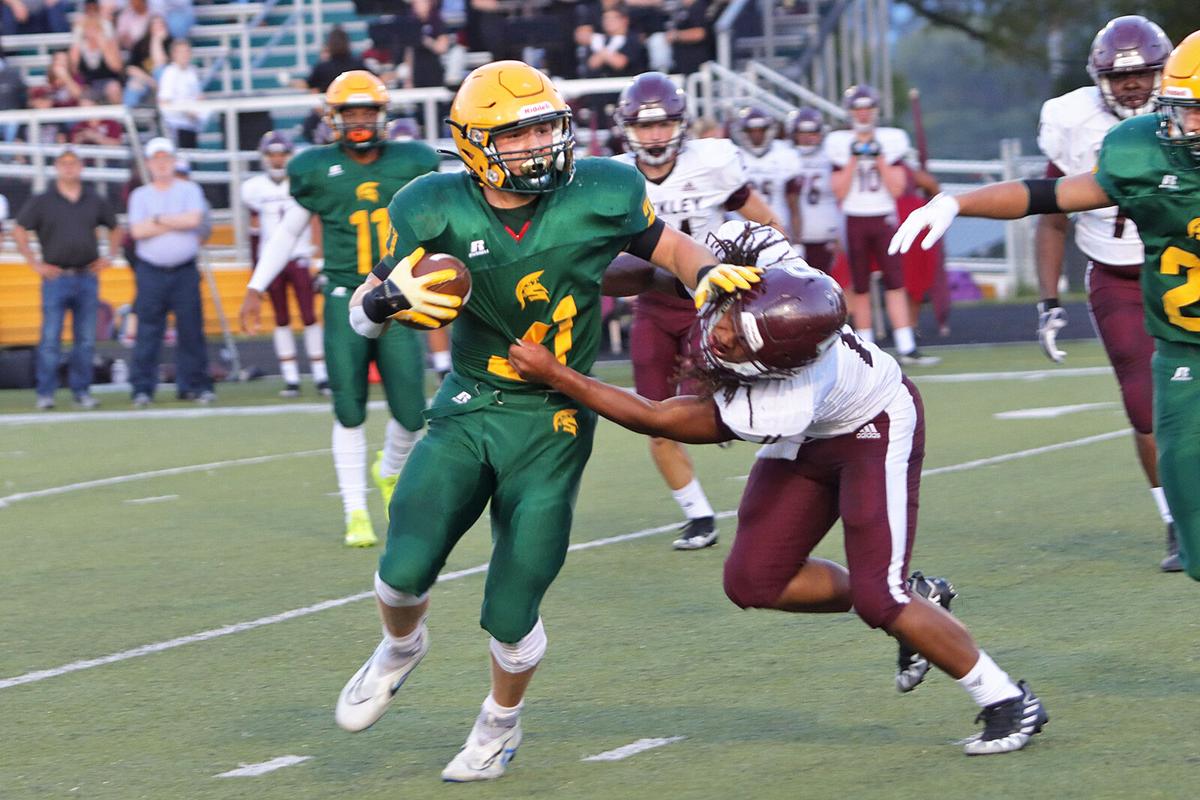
544 107
1177 91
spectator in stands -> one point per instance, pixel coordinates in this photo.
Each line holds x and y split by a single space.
424 60
34 16
615 51
166 220
95 57
339 59
103 132
41 97
65 218
147 60
133 22
12 95
487 29
690 35
178 85
180 16
66 86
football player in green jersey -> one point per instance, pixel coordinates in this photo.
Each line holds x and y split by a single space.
537 230
348 184
1149 166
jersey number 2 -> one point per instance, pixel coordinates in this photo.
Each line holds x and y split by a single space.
362 220
1173 260
564 318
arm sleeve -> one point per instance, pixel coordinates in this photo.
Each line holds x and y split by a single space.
105 215
250 197
1051 137
30 214
643 244
273 255
138 211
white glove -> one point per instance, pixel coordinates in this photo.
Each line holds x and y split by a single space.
936 215
1051 320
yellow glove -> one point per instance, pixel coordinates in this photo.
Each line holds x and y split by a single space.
423 305
417 318
724 278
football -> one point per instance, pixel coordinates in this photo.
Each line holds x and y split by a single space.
460 285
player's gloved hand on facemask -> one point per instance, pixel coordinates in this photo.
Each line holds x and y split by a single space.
861 148
936 215
1052 318
407 297
723 278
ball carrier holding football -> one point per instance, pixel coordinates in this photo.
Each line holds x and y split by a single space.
537 230
692 183
347 184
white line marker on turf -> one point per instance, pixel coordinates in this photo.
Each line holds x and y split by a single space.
173 413
628 750
162 498
251 770
1025 375
145 650
1051 412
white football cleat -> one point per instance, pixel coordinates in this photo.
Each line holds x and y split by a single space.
367 695
483 760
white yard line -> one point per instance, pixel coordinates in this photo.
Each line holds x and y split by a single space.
162 498
1023 375
45 418
1051 412
158 647
251 770
640 746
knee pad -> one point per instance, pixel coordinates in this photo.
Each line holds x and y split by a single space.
525 654
395 598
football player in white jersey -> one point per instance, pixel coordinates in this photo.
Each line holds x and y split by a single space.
867 179
1125 63
692 183
268 199
844 436
772 165
816 219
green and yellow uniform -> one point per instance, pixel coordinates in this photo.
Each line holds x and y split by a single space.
1163 197
351 201
491 435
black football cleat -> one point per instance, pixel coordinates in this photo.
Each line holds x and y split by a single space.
1171 563
911 665
1008 725
696 534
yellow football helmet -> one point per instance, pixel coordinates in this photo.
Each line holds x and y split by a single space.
356 89
505 96
1179 98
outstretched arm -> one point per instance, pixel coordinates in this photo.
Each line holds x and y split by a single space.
689 419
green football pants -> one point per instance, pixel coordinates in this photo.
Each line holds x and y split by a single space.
525 453
397 353
1177 432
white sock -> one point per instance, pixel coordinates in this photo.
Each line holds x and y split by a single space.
285 351
494 719
1160 500
404 645
905 342
397 444
314 345
866 334
987 683
350 465
440 359
692 500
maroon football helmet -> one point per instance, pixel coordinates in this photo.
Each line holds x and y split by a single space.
652 97
274 142
861 96
807 122
403 129
786 320
1128 44
750 120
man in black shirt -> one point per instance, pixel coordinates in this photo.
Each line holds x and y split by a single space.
65 218
690 35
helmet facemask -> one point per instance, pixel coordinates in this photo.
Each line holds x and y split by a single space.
535 170
1105 83
361 136
657 153
1183 148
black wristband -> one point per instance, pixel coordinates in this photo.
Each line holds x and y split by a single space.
1041 196
700 273
682 290
383 301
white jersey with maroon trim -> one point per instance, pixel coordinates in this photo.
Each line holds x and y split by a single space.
692 196
820 216
271 201
845 388
770 174
868 197
1070 132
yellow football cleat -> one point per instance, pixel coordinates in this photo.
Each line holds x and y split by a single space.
386 483
359 532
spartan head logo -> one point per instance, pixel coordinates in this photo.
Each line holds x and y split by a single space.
565 421
367 190
1193 229
530 288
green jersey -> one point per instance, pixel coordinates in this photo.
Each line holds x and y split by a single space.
1163 199
351 201
541 283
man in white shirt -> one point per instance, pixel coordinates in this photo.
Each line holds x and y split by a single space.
178 85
